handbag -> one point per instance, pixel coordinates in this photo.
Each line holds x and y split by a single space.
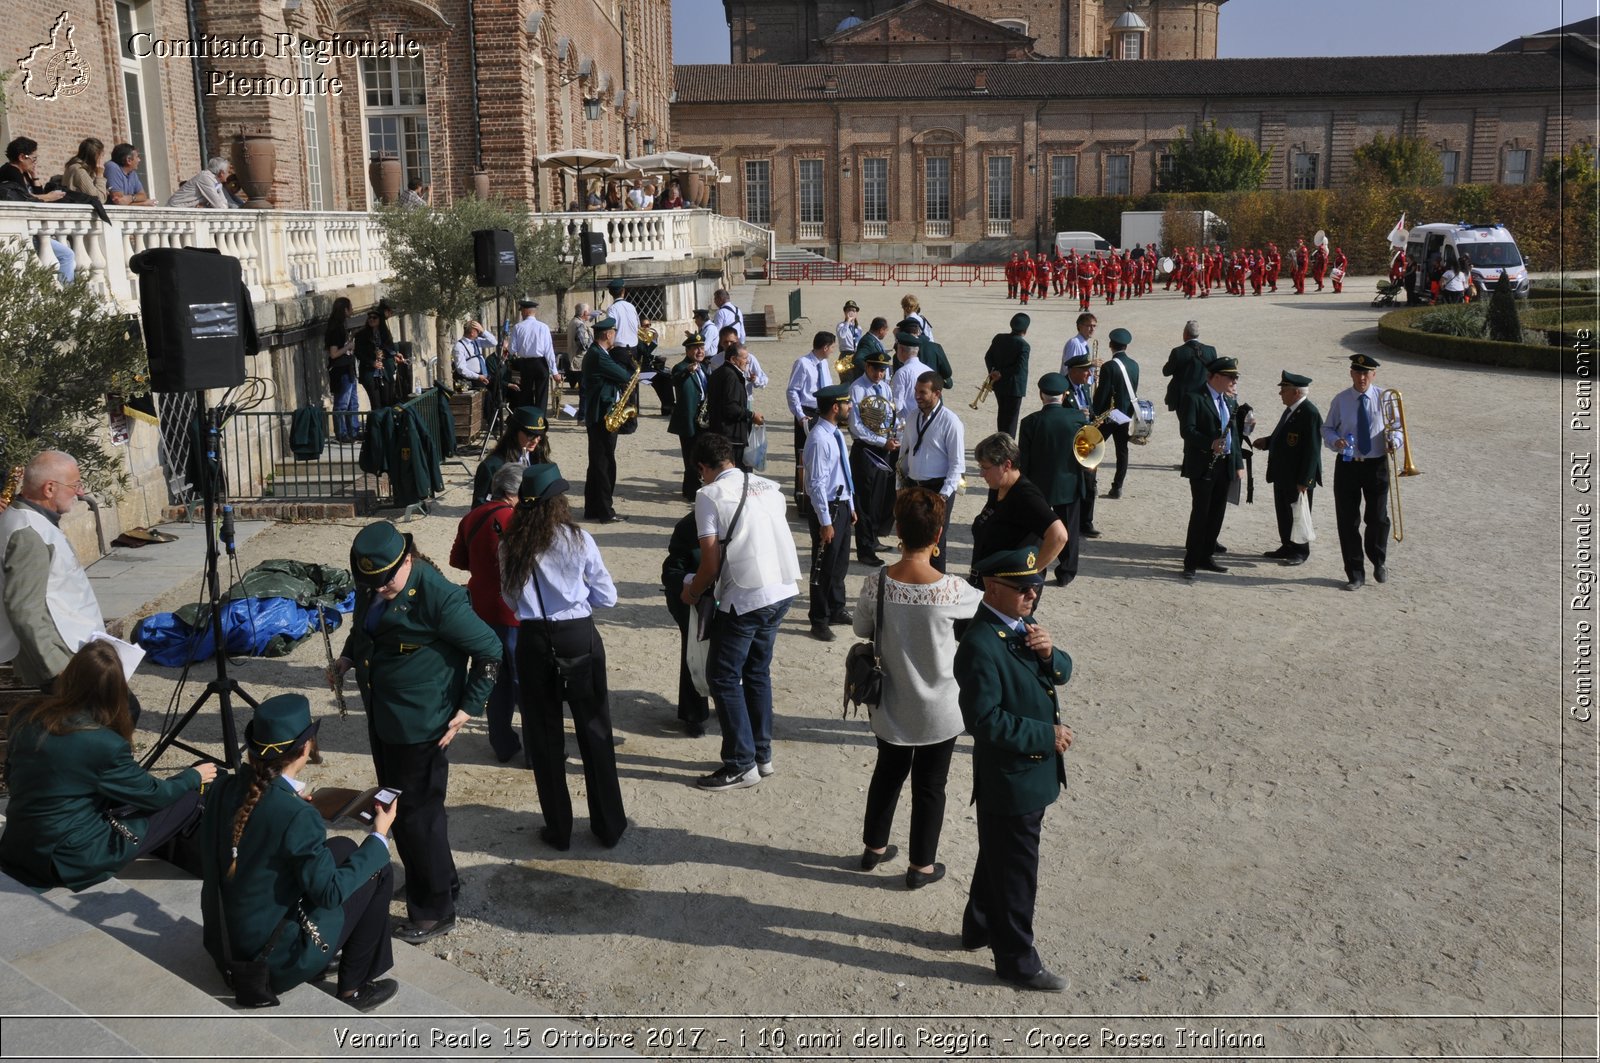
755 448
574 672
863 665
250 980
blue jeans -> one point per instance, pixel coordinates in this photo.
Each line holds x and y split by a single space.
67 261
505 700
739 670
346 405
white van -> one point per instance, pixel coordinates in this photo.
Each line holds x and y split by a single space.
1491 248
1083 243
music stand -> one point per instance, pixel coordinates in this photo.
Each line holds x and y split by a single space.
224 687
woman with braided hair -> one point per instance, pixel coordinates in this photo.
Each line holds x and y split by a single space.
553 578
81 809
275 883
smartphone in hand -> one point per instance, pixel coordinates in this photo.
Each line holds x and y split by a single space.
384 797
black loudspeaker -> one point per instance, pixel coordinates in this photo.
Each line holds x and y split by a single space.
494 258
594 248
198 323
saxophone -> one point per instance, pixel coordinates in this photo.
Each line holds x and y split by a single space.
621 411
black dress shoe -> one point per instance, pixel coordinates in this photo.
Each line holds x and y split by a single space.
840 618
870 859
1115 492
1219 549
1356 582
1188 574
694 729
548 835
1063 578
915 879
822 632
973 944
870 559
1380 573
372 994
1043 980
1295 559
1212 566
1280 552
424 929
1089 533
615 518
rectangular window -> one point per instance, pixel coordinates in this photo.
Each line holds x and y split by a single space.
1450 162
142 110
1517 166
1303 170
936 193
1118 175
1164 164
1063 176
1131 45
397 114
758 192
812 186
875 190
999 198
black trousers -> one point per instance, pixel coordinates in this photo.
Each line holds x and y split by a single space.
928 767
693 706
368 949
171 830
1117 435
600 483
1009 414
691 475
1067 560
421 772
872 469
533 377
584 688
941 556
1283 496
1208 505
377 388
829 563
1362 486
1004 886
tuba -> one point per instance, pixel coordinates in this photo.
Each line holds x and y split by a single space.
1393 408
619 413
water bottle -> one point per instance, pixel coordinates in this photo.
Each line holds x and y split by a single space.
1349 452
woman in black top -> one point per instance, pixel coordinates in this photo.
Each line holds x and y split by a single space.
340 345
1016 513
22 162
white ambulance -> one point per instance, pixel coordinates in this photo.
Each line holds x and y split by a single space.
1431 249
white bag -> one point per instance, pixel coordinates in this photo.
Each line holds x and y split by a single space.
694 655
755 448
1302 532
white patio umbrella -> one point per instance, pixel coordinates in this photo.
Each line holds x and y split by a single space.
674 162
577 160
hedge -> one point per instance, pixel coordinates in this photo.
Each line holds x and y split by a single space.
1394 330
1551 231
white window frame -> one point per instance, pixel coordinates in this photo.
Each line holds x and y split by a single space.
1512 174
1119 171
143 114
758 191
1304 176
875 190
1450 166
1063 176
395 97
937 193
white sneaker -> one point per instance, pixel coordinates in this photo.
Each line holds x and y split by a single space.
765 768
724 779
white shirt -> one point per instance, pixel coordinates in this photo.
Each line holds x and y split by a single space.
927 329
469 355
708 332
810 372
728 314
1343 418
1454 281
862 388
627 319
933 447
904 384
530 338
1075 346
640 199
760 562
826 459
572 580
849 333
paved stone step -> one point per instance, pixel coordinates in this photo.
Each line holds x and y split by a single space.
27 1037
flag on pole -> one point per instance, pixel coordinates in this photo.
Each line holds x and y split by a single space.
1397 235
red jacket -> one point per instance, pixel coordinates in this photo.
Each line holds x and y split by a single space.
477 551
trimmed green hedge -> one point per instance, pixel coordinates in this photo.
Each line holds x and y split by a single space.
1394 330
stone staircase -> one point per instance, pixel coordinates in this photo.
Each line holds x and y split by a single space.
118 971
792 253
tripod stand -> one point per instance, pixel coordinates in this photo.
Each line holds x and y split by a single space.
497 386
208 427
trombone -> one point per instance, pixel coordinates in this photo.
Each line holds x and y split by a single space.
1393 408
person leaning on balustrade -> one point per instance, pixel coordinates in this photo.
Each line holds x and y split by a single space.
205 189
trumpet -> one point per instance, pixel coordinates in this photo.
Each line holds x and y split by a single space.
983 393
1393 408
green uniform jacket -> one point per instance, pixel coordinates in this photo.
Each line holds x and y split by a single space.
1008 353
1186 365
1295 455
1044 440
283 860
937 360
413 672
869 344
603 381
1197 421
687 408
1009 702
483 479
56 832
1111 392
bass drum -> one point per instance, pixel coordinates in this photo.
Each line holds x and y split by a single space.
1143 423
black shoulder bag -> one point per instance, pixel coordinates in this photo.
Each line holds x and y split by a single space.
863 665
573 672
250 980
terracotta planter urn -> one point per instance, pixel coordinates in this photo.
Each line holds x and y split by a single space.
255 159
480 183
385 173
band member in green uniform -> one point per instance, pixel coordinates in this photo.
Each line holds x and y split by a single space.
425 664
1044 455
1118 387
1007 363
1294 462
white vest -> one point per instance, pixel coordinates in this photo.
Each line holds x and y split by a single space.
762 552
68 596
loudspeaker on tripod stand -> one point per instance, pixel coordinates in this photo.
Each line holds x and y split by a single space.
197 319
593 246
494 258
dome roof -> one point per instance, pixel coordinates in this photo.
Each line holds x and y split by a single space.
1129 21
846 23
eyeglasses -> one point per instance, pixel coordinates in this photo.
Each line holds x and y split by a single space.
76 488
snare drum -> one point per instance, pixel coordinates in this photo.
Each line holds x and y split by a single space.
1143 423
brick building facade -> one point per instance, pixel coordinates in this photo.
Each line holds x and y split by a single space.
908 161
123 70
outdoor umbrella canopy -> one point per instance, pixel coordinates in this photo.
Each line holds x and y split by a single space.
578 160
674 162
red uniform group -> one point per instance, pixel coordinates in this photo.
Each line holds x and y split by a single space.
1195 272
